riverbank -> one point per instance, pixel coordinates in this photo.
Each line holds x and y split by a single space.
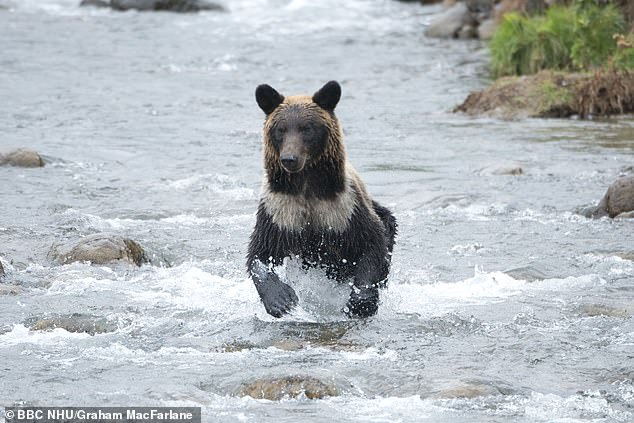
564 59
549 94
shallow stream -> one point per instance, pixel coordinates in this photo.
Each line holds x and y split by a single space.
503 305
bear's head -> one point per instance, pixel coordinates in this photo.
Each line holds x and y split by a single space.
301 133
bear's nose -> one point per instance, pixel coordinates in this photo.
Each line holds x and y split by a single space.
290 162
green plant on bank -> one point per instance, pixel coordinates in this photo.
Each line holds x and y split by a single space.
623 58
552 95
577 37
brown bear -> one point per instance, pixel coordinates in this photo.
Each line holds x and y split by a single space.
314 206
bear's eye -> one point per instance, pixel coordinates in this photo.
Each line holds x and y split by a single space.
280 131
306 130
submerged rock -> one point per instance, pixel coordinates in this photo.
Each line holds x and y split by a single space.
468 391
1 270
99 249
626 255
182 6
22 157
289 387
596 310
553 94
75 323
7 289
95 3
512 169
618 201
532 272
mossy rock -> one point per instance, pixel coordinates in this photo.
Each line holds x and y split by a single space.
22 157
99 249
74 323
554 94
276 389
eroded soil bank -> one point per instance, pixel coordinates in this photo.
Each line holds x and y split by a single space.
554 94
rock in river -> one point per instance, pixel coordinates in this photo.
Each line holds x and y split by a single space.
149 5
7 289
75 323
449 23
289 387
99 249
22 157
618 201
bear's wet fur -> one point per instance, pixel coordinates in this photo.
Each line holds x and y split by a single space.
315 206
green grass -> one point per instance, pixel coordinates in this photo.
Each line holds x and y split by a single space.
552 95
575 38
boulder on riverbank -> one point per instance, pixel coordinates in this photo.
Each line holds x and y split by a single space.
618 201
22 157
462 19
276 389
99 249
182 6
554 94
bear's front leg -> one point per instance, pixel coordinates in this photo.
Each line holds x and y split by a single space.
370 274
363 302
278 298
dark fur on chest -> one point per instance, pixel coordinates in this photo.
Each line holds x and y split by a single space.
325 180
338 253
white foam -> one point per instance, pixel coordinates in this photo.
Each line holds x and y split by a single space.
386 409
466 249
189 287
576 408
117 352
20 334
370 354
442 297
483 288
74 281
216 183
297 4
186 220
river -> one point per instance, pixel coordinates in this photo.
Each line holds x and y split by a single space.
503 304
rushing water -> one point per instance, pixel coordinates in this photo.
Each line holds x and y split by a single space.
503 304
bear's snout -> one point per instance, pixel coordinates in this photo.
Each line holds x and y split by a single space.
293 154
291 163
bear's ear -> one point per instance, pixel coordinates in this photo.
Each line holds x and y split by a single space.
268 99
328 96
